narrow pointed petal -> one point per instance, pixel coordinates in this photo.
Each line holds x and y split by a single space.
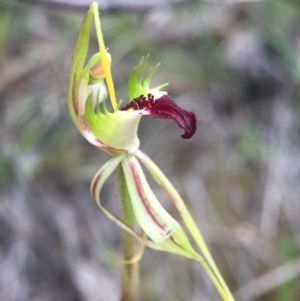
151 216
162 180
97 183
165 108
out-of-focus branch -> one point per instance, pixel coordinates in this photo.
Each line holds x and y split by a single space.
104 5
231 1
269 281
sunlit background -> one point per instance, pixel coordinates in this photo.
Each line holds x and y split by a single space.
236 65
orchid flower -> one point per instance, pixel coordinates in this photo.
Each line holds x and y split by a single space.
115 132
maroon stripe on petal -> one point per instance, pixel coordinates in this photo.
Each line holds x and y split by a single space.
165 108
94 187
143 198
175 243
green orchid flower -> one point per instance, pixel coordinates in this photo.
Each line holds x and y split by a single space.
115 132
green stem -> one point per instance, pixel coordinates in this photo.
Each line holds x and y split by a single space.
130 272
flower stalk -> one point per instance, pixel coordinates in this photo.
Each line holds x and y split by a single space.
116 134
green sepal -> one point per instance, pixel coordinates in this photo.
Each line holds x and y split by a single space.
210 268
79 56
138 83
156 222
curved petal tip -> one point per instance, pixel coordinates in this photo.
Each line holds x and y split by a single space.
165 108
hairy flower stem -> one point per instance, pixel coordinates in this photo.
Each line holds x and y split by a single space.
130 272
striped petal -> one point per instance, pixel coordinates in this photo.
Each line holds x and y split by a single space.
211 268
97 183
151 216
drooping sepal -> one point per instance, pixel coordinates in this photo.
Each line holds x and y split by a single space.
97 183
151 216
208 264
165 108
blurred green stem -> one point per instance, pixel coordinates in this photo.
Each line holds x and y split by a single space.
130 272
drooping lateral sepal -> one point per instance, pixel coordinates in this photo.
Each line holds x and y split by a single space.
211 267
165 108
97 183
156 222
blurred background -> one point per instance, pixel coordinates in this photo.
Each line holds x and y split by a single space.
236 64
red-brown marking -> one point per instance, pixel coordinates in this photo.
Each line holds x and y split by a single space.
143 198
83 123
95 185
175 243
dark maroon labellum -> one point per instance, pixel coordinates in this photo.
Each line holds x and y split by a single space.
165 108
